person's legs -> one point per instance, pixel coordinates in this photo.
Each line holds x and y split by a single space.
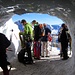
47 52
70 46
21 39
61 53
29 56
3 63
5 70
64 50
42 49
29 53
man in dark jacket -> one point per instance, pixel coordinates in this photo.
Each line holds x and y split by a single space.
36 31
64 41
36 47
4 43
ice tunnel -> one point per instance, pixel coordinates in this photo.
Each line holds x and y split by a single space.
63 9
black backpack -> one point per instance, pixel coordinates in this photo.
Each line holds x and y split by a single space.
4 42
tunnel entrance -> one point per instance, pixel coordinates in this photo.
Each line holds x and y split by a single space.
48 20
55 36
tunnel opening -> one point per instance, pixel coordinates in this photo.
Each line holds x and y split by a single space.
17 45
46 20
42 18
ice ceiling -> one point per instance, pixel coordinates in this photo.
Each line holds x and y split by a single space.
63 9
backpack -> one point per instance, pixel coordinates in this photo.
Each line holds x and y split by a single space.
59 39
68 37
4 42
42 32
49 38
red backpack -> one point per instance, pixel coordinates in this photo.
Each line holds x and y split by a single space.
49 38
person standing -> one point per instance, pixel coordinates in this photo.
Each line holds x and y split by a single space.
28 32
64 41
44 40
4 43
36 46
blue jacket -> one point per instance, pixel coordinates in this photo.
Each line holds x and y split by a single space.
45 38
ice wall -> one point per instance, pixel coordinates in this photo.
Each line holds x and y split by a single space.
11 30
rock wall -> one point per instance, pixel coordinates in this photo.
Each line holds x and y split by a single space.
63 9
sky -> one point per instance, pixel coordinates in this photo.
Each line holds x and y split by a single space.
41 18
